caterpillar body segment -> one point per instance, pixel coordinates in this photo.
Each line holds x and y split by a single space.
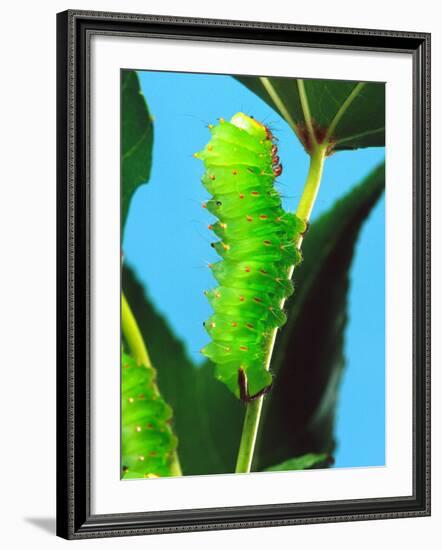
147 438
257 246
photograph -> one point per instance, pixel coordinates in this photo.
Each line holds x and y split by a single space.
253 230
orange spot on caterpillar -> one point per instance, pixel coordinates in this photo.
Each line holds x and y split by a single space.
263 217
255 193
249 218
210 147
234 324
247 269
225 246
241 196
243 348
241 298
234 172
212 177
210 226
141 396
153 453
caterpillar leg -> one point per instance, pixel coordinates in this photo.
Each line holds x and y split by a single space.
244 390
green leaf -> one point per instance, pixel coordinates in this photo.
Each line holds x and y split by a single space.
299 413
304 462
207 417
136 139
352 112
147 439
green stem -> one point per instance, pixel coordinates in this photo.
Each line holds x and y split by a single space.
253 409
139 351
133 335
312 183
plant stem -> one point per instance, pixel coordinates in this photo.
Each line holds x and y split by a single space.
139 351
133 335
254 408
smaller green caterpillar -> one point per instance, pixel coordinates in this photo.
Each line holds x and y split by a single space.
147 439
257 246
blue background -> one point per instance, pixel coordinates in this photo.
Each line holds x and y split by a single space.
167 241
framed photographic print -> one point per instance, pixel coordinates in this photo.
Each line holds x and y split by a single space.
243 274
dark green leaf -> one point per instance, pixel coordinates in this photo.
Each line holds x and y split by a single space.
207 417
305 462
299 413
136 139
359 106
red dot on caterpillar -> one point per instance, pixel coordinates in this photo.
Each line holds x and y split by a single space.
241 298
247 270
255 193
263 217
210 226
243 348
241 196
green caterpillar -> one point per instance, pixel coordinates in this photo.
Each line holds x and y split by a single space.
257 246
147 441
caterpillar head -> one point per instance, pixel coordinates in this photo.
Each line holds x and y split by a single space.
250 125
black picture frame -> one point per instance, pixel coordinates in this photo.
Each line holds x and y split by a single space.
74 518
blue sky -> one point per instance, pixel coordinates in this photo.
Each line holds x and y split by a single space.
170 252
